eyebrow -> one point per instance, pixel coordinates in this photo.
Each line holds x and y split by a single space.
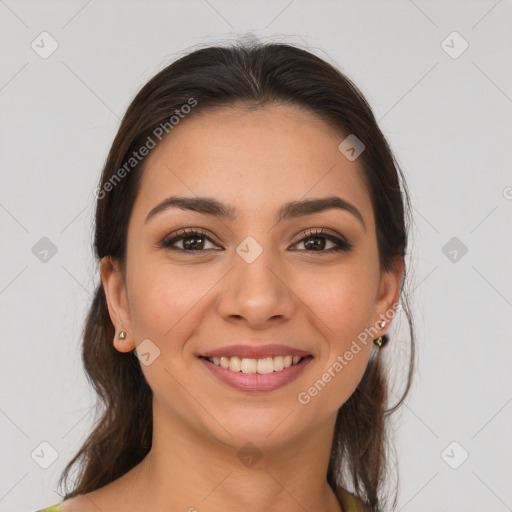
293 209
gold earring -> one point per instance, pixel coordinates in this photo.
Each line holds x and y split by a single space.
381 341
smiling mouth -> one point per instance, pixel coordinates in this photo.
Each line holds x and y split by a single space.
260 366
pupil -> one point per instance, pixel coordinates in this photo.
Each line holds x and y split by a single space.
316 244
194 245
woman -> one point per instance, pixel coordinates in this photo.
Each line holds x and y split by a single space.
251 234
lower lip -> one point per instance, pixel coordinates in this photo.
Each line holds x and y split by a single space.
255 381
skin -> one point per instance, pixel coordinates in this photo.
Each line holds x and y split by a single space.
190 303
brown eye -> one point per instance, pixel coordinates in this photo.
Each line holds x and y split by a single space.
194 242
317 240
191 240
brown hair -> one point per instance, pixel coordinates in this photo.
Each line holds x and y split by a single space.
252 74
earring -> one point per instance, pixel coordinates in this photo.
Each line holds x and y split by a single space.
120 336
381 341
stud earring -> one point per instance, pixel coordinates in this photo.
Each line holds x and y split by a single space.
122 335
381 341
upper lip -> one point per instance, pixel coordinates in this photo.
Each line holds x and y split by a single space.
254 352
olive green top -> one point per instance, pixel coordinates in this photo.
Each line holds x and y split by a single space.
348 502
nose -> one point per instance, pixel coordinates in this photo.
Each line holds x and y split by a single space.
259 293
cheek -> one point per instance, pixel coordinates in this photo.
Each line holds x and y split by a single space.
342 307
343 300
165 298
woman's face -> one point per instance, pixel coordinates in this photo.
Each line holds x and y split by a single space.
260 276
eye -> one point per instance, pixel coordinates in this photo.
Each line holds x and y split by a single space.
315 241
192 240
195 240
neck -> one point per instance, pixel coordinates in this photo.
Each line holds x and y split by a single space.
188 470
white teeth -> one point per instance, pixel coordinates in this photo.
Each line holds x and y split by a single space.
235 364
278 363
261 366
265 365
248 365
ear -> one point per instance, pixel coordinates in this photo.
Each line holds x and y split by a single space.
117 300
388 294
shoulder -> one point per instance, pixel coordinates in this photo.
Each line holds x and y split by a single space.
76 504
349 502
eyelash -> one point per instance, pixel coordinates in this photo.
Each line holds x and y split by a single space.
340 243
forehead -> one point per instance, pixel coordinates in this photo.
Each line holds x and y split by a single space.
254 159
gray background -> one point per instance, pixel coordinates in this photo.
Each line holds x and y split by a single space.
448 119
